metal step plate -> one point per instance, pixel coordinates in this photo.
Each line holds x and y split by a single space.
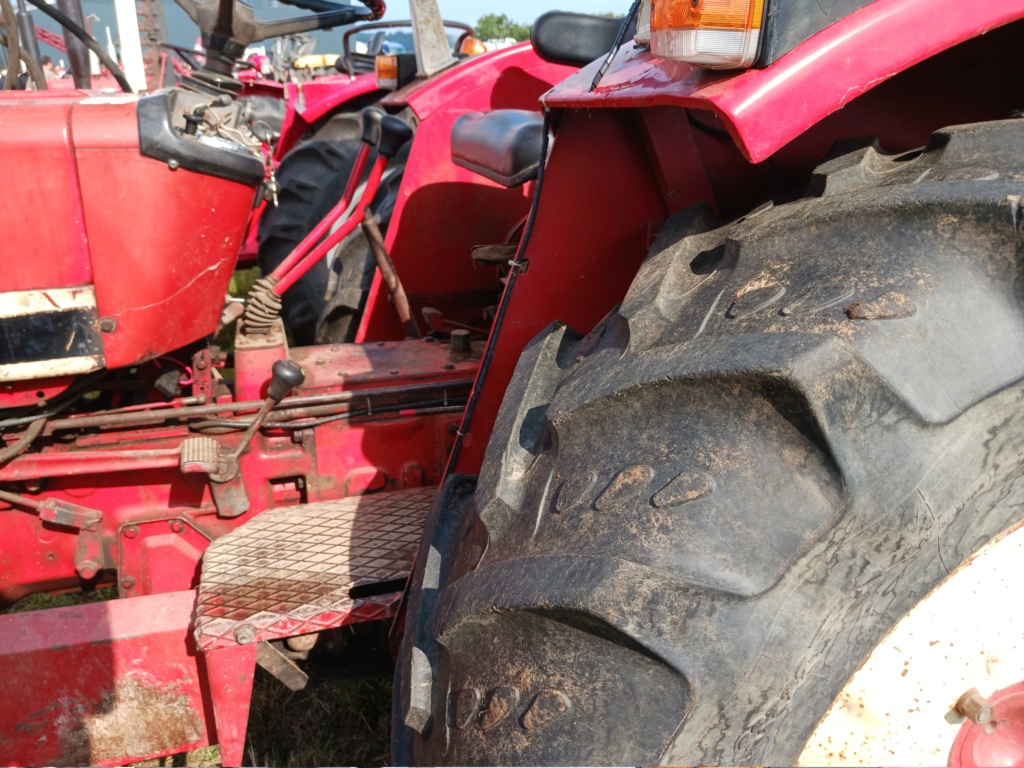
290 571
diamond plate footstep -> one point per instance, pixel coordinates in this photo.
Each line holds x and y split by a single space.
289 571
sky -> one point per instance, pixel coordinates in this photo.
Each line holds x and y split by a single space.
520 11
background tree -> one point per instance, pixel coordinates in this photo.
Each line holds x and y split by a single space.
498 26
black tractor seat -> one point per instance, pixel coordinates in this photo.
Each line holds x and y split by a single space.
503 146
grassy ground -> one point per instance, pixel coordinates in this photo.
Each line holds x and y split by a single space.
345 722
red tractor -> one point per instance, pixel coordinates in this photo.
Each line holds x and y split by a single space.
729 473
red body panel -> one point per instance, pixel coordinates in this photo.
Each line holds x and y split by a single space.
444 210
767 108
159 245
577 273
37 157
122 678
510 78
163 242
311 100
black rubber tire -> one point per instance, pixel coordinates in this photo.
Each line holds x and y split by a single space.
326 304
312 179
693 524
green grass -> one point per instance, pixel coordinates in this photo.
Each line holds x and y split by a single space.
43 600
242 281
343 722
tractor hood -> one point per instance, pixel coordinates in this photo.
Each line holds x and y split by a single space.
110 257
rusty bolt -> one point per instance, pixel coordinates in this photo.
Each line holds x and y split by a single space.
108 324
245 634
177 526
302 642
131 532
201 364
87 569
127 582
974 707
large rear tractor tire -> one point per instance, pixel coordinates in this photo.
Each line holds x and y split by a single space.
694 524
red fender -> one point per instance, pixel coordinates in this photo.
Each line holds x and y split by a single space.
764 109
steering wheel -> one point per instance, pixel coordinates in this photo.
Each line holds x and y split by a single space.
227 27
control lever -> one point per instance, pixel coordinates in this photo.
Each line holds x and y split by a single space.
263 306
370 118
203 455
286 375
394 134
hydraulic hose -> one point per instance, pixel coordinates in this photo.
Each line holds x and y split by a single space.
85 37
13 45
34 70
23 442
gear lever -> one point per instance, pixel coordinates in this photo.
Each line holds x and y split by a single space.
286 375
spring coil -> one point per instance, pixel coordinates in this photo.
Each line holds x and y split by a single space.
263 307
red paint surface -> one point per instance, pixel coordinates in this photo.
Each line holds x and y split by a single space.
230 673
36 154
99 471
163 243
585 249
310 101
767 108
510 78
159 245
999 743
444 210
73 672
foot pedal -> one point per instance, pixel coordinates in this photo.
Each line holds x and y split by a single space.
308 568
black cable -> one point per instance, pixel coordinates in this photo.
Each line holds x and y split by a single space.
619 37
87 39
506 297
61 403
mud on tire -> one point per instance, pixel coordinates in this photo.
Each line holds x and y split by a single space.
694 523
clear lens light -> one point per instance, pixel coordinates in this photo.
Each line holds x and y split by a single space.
717 34
643 24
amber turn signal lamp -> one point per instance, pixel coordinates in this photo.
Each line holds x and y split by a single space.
386 70
717 34
472 46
